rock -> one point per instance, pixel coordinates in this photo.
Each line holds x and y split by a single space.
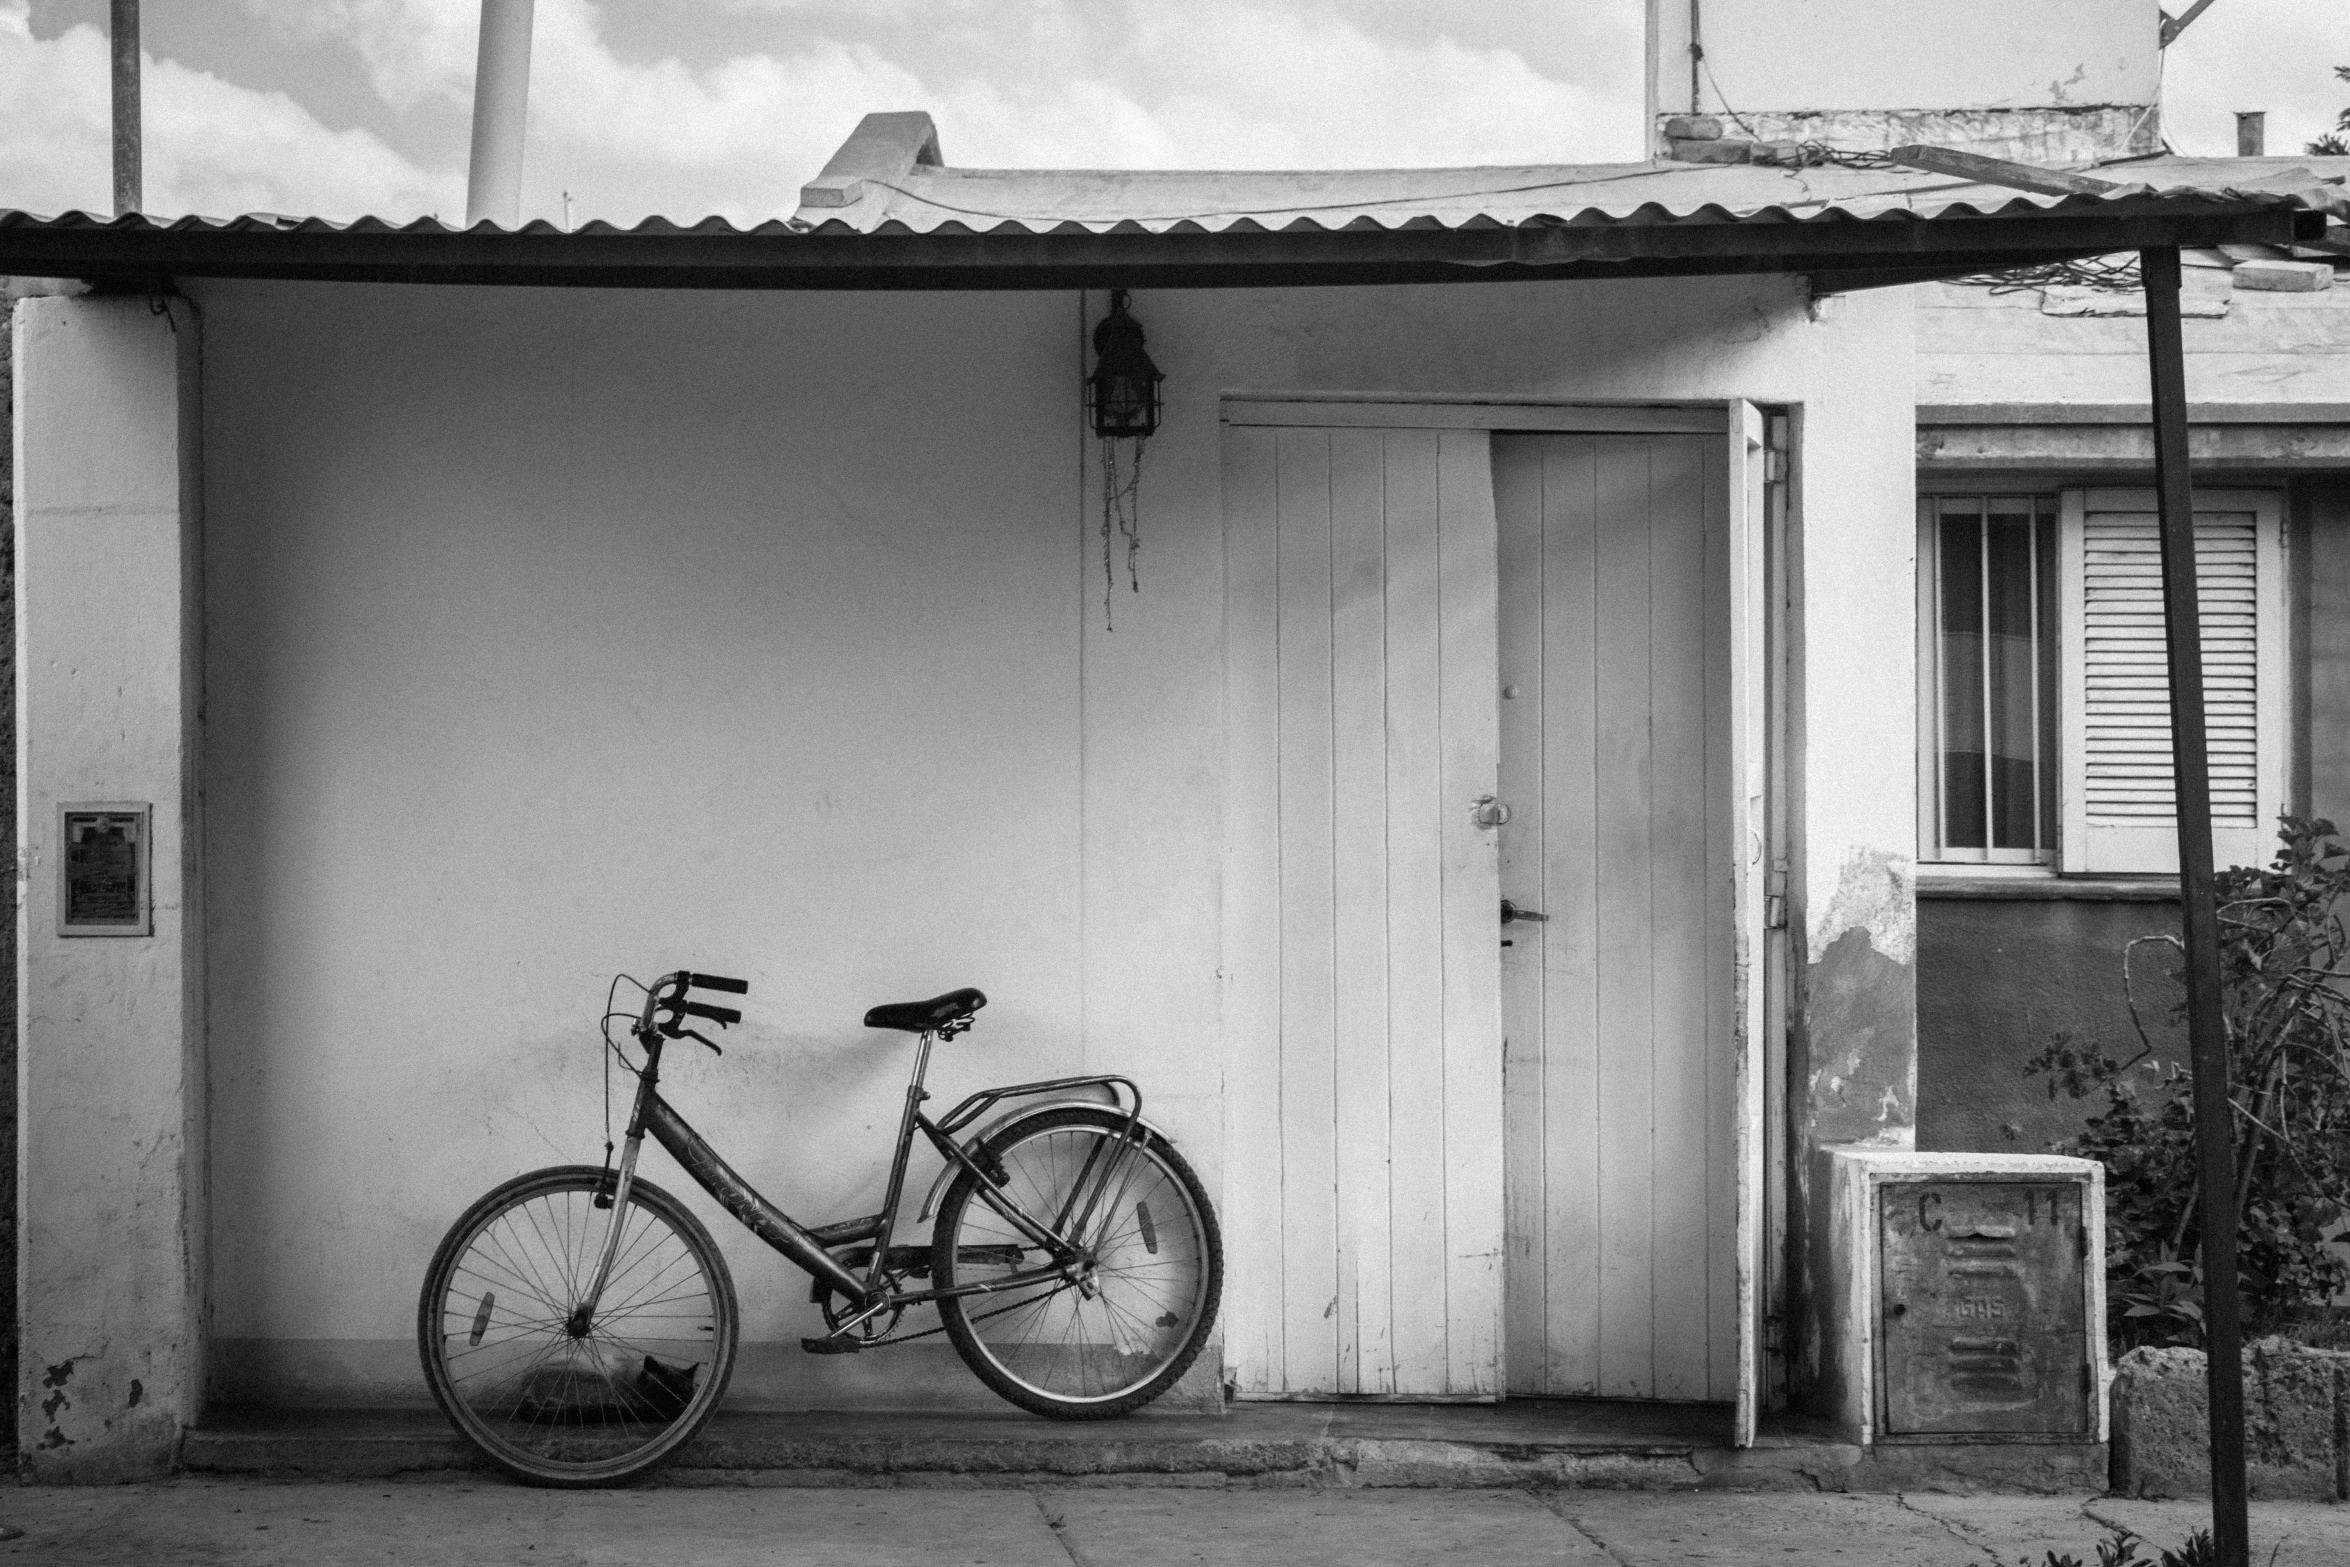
2284 277
2161 1432
1694 127
1713 151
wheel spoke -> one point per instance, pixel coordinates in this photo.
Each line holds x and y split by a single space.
1129 1316
638 1381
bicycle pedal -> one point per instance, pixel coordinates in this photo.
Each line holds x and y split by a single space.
831 1346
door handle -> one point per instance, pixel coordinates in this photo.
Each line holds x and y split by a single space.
1486 811
1510 912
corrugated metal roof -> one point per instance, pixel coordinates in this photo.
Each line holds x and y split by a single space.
927 199
887 214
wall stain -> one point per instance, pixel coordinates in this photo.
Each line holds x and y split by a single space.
138 1391
60 1374
1861 1032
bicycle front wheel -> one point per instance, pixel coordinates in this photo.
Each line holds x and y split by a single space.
1118 1323
548 1399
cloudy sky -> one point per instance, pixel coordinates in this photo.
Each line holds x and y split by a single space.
690 107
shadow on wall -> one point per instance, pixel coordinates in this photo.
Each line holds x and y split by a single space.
1998 980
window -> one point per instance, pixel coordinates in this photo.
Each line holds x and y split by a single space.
1987 678
2044 713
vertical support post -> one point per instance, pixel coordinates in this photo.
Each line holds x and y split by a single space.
501 100
123 35
2207 1044
111 1213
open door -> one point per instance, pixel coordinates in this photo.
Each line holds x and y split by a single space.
1749 875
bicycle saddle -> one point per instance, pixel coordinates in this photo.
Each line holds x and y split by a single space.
920 1017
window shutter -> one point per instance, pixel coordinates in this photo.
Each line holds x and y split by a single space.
2119 811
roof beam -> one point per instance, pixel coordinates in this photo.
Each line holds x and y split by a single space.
1860 253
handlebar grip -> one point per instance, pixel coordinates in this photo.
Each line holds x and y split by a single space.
735 987
719 1015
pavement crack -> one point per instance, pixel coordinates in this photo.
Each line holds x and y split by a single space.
1058 1522
1955 1530
1550 1504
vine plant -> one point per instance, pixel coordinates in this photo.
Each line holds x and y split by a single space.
2285 997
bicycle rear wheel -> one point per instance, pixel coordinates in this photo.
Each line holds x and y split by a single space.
556 1407
1115 1329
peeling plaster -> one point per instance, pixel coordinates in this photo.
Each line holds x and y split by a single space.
1861 1013
1874 893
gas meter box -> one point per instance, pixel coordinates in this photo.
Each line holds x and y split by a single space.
1967 1297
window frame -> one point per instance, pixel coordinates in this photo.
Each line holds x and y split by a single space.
2046 496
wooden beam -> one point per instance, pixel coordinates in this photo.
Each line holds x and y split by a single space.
2172 26
2215 1127
775 257
2000 171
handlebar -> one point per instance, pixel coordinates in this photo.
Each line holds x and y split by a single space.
667 994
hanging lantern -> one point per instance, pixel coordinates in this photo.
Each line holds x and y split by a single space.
1122 394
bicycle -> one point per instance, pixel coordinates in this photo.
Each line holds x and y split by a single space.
1076 1264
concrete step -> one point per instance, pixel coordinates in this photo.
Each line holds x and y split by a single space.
1545 1442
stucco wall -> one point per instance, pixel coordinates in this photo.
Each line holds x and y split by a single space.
1906 54
1999 980
558 634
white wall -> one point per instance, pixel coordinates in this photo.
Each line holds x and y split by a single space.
555 634
1906 54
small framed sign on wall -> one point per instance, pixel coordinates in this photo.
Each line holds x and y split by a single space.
103 883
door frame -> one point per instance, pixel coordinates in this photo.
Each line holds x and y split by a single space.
1756 720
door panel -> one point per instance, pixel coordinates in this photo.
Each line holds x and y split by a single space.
1615 757
1362 980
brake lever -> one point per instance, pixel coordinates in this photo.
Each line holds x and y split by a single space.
687 1033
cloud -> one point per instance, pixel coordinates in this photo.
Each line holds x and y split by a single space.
210 146
2272 55
1036 83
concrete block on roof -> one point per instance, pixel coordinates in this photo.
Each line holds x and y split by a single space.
2285 277
883 148
1694 127
1713 151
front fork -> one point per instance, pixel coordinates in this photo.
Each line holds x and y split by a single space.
584 1312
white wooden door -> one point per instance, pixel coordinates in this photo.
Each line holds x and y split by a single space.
1363 1068
1618 758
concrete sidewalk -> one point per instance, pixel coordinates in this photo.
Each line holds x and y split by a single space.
1536 1443
461 1522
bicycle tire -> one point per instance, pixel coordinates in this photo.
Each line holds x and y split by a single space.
1159 1272
546 1406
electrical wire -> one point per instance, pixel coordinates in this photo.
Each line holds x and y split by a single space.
1642 172
2112 277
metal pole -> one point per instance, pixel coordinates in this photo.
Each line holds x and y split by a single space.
2215 1130
501 100
123 34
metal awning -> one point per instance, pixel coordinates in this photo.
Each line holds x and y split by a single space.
909 225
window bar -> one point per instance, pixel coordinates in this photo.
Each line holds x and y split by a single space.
1984 718
2032 549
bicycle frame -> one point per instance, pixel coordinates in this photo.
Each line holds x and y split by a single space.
808 1248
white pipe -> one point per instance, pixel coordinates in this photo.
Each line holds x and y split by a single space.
501 100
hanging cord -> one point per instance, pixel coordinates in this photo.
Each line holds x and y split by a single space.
1122 511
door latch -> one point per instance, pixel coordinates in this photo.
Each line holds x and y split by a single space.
1487 811
1511 912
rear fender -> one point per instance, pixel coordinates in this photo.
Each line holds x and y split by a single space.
1006 1121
